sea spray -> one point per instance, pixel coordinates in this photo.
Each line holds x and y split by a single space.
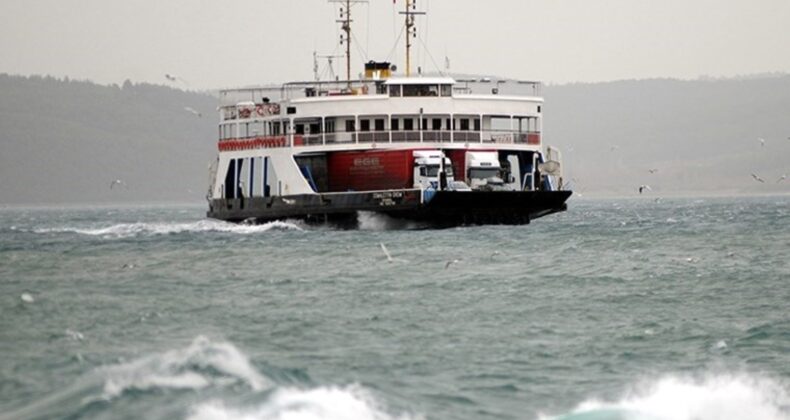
720 397
324 403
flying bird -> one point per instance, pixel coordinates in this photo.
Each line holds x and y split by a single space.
762 141
193 111
449 263
757 178
116 182
781 178
385 251
173 78
642 188
652 171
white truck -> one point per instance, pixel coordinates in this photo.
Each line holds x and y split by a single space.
484 172
433 170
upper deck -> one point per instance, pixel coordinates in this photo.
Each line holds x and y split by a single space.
393 110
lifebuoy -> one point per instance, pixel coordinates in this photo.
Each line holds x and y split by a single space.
260 111
245 113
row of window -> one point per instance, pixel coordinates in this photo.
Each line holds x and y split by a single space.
278 128
463 124
420 90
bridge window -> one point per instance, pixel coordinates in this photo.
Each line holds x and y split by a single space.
420 90
447 90
394 90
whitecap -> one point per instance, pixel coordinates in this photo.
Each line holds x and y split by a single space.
325 403
203 363
126 230
724 397
27 298
74 335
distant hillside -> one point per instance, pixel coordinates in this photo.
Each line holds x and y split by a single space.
65 141
702 136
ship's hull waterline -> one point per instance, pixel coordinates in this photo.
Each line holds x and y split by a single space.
442 209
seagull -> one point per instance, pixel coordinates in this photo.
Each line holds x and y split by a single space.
652 171
385 251
449 263
27 298
289 201
613 148
762 141
173 78
781 178
116 182
644 187
757 178
193 111
494 254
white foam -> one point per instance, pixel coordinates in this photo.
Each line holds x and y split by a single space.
126 230
203 363
728 397
367 220
326 403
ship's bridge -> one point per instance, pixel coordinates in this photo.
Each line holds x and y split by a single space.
420 87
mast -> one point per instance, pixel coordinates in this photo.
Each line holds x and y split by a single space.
345 25
411 30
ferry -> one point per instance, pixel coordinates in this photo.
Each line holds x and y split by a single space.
435 149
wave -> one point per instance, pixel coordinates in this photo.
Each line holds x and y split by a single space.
325 403
201 364
728 397
127 230
208 368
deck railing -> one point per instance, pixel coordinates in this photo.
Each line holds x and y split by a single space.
383 137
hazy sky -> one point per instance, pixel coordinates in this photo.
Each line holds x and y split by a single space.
226 43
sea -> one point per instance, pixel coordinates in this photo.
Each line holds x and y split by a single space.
629 308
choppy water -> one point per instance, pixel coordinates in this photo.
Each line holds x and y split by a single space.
627 309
